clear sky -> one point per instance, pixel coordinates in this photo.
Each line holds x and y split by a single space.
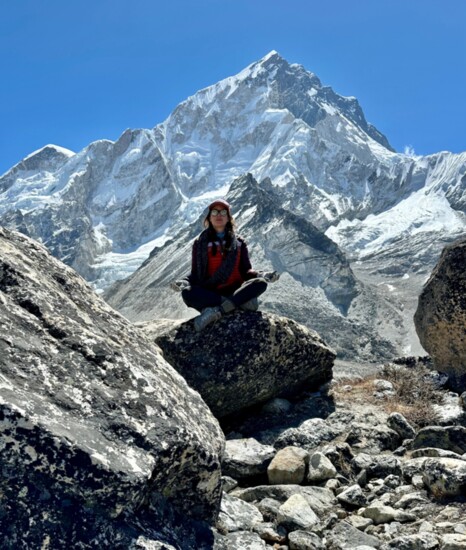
75 71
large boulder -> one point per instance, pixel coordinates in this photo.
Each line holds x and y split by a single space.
441 314
245 359
100 438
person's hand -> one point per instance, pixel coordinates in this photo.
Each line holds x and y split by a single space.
179 286
271 276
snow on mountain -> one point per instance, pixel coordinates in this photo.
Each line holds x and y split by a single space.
103 209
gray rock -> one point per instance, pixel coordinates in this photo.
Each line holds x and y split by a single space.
321 500
410 500
377 466
453 541
352 496
228 484
296 513
240 539
344 536
434 452
96 428
303 540
383 385
245 458
441 315
380 513
421 541
309 435
401 426
450 438
288 466
237 515
320 468
272 355
269 533
372 439
413 467
359 522
269 508
445 477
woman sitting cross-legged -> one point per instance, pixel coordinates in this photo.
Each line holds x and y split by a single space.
221 277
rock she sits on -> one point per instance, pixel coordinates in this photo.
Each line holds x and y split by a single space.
259 356
100 438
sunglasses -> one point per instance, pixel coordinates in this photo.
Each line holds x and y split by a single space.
216 212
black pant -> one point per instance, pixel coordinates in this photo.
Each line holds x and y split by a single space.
200 298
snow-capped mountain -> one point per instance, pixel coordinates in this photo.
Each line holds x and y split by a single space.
104 209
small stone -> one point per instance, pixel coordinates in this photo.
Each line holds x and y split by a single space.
408 501
352 496
359 522
383 385
269 508
453 541
303 540
288 466
399 424
421 541
381 513
392 481
242 539
320 468
246 458
267 532
296 513
237 515
344 535
228 484
332 484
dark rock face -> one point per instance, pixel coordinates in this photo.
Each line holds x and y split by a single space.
441 314
100 439
246 358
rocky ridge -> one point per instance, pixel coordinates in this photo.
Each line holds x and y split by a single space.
330 471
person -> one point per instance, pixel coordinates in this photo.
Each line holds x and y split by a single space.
221 278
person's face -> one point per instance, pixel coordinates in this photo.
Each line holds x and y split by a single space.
219 217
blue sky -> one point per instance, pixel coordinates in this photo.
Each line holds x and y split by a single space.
74 72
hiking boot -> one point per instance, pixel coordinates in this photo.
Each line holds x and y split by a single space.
250 305
227 306
208 315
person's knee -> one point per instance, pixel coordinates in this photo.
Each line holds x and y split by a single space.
186 295
260 285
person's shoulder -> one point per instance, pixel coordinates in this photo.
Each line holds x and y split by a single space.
203 235
241 240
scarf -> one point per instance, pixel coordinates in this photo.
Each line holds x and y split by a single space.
224 271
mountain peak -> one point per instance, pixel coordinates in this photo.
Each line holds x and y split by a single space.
273 54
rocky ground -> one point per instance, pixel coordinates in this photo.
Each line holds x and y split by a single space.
344 468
